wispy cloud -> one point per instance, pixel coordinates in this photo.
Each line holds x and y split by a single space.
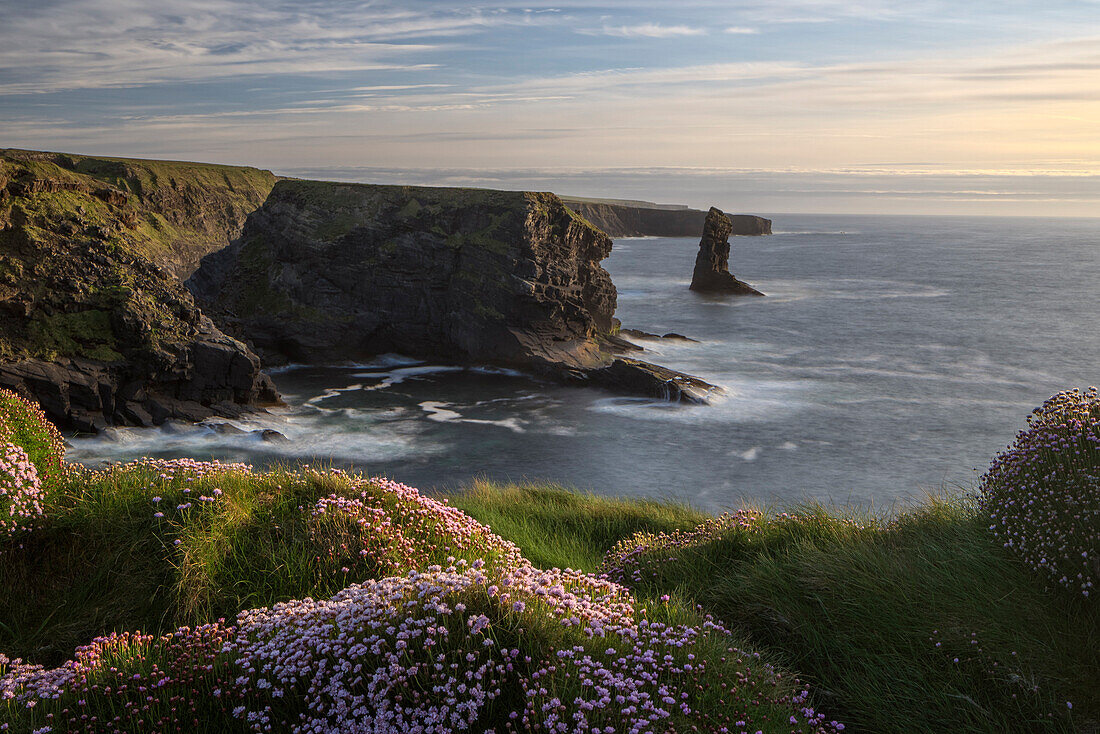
800 86
82 44
645 30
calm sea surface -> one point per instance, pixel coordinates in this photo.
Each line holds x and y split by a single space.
892 356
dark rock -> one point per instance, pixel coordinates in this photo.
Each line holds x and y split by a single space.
643 218
638 334
225 429
271 436
91 325
642 378
327 272
618 345
712 263
679 337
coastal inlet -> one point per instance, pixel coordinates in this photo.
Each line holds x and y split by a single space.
891 356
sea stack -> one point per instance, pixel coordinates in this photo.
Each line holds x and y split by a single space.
712 273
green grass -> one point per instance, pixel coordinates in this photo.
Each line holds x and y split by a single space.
560 528
852 604
104 563
856 606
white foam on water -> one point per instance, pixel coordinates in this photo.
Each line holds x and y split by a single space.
382 361
330 393
750 454
439 411
743 401
787 446
397 376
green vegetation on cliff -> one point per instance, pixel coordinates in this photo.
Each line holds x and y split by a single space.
171 213
81 241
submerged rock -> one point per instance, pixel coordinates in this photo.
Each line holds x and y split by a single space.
327 272
712 263
633 376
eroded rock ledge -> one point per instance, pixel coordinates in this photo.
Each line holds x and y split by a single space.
326 272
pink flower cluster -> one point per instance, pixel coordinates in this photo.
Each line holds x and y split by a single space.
171 469
458 646
155 683
632 560
21 492
388 527
23 422
1043 492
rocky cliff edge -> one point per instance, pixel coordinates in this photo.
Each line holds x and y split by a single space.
326 272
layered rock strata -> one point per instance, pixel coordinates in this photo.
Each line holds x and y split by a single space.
712 263
326 272
90 325
640 219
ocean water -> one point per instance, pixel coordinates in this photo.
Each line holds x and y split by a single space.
892 356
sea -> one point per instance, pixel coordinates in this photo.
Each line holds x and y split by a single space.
892 357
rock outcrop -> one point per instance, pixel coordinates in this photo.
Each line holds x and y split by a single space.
326 272
712 263
641 218
90 326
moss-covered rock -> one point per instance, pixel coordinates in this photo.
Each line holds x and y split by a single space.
172 213
93 323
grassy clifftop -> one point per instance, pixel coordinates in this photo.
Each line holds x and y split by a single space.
172 213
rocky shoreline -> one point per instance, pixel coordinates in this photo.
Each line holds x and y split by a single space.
96 325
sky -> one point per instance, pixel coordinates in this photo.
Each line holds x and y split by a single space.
837 106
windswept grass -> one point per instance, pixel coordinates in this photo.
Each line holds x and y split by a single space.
921 622
357 602
154 546
558 527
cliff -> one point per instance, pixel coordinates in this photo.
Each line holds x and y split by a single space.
638 219
172 213
712 263
327 271
91 325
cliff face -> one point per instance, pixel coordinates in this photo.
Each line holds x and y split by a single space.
622 220
90 326
327 271
712 263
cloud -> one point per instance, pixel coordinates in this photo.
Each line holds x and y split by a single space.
88 44
741 30
645 30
